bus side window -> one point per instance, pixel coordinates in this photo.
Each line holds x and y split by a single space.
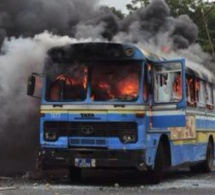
163 87
197 88
201 94
213 95
190 91
177 87
213 88
209 96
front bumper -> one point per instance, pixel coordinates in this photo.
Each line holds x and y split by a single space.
57 158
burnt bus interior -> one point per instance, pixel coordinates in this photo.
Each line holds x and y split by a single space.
167 86
167 79
106 72
74 71
200 91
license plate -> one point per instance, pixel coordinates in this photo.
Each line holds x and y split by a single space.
84 162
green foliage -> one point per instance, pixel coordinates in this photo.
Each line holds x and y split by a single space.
206 22
137 4
117 12
189 7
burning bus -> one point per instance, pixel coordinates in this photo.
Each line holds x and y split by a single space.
108 105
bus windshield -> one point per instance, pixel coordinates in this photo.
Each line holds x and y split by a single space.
68 83
115 81
107 81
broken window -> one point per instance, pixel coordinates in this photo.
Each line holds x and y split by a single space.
209 96
168 87
69 84
201 93
115 81
190 91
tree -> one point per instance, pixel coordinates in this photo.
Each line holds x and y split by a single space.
207 32
136 4
189 7
117 12
202 14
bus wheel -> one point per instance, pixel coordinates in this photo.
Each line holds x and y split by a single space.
155 175
207 165
75 174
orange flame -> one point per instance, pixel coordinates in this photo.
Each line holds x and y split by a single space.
75 80
177 87
128 87
165 49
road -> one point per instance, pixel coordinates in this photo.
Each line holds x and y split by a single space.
111 183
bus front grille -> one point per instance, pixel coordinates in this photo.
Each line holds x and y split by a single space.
92 142
89 129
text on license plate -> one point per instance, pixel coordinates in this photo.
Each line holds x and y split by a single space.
84 162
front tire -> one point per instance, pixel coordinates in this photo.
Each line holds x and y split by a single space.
157 173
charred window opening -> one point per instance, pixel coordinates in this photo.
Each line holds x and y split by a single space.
115 81
209 96
69 83
213 94
201 93
177 86
191 90
107 81
167 83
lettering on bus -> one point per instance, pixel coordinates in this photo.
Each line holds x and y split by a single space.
87 115
187 132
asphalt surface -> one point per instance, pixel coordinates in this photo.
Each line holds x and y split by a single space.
110 183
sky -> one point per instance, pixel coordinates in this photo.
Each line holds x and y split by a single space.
118 4
121 4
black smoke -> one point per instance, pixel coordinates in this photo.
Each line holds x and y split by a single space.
84 19
149 23
30 17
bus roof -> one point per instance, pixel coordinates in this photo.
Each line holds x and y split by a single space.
199 71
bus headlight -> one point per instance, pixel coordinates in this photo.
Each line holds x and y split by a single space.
50 136
129 137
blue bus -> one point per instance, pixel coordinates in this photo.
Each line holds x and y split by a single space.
110 105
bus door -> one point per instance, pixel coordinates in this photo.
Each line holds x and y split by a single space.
168 99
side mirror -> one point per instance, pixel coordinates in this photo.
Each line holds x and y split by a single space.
31 85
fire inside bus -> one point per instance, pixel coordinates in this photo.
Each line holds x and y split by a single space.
107 105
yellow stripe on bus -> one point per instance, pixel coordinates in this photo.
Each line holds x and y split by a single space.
92 111
201 137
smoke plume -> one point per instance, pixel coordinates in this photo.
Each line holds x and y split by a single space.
19 113
28 28
30 17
